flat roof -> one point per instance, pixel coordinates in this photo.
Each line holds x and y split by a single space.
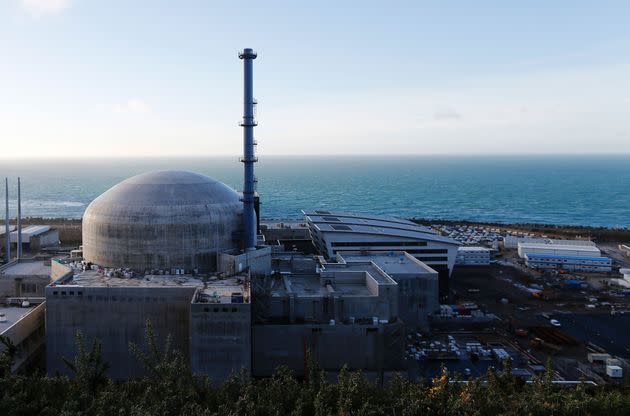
373 220
568 257
311 286
220 290
380 231
94 278
13 314
26 268
395 262
473 248
366 266
574 247
214 289
282 224
355 215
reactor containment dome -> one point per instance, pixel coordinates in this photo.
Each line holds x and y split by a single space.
163 220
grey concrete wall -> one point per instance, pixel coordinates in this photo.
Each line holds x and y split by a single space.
116 317
220 339
48 239
337 306
27 285
365 347
417 298
27 335
258 262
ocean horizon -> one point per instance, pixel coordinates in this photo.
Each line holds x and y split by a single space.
559 189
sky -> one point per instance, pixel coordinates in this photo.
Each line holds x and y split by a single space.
86 78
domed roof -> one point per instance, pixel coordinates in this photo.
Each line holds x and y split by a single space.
166 219
169 187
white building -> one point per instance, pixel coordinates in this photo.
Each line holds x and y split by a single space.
558 249
473 256
338 232
36 237
568 262
512 241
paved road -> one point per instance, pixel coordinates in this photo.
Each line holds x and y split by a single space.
609 332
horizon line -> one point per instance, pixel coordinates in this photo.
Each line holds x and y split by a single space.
301 155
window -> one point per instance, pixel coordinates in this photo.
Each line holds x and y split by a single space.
341 227
378 243
428 251
433 258
29 288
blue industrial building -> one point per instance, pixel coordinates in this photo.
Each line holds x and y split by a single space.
567 262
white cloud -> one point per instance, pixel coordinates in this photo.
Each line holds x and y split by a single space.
446 114
133 105
43 7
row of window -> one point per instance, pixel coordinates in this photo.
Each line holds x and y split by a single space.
220 309
425 259
378 243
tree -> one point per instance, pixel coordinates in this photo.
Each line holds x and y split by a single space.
7 356
88 367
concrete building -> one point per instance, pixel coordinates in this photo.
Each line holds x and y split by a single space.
114 309
22 285
24 278
285 230
23 324
473 256
339 232
333 313
163 220
568 262
221 328
558 249
417 284
36 237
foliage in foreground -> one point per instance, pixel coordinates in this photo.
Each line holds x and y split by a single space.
171 389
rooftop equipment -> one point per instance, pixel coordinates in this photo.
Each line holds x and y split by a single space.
248 123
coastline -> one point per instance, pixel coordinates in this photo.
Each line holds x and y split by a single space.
70 228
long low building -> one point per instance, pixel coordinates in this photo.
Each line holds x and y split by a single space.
568 262
557 249
473 256
512 241
36 237
335 232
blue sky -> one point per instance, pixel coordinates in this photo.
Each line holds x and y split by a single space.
150 78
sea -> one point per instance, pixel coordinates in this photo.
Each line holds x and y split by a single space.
576 190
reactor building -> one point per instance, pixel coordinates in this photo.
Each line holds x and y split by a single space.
163 220
181 250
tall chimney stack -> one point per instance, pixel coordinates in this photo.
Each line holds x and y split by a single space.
19 222
7 233
248 123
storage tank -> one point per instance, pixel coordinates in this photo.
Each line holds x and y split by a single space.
163 220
